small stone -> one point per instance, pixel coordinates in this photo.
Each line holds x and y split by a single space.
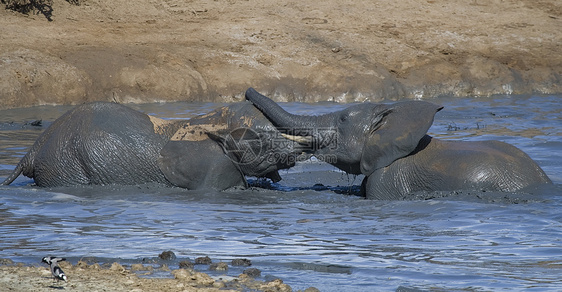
140 267
6 262
182 274
252 272
276 285
117 267
186 264
241 262
167 255
219 266
203 260
203 279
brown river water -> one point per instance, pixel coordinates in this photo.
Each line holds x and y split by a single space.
311 228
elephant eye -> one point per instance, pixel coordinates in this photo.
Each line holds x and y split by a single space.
343 118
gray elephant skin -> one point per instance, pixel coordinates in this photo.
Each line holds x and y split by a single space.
389 145
103 143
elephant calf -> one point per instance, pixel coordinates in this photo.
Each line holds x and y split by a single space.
104 143
389 145
97 143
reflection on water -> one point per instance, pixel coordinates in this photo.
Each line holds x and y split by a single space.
304 230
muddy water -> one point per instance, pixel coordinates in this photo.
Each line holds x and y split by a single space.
310 229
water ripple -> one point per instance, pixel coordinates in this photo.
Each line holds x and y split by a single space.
315 236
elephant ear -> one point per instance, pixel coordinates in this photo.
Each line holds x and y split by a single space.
397 135
198 165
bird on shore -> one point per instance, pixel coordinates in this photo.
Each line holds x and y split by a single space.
56 271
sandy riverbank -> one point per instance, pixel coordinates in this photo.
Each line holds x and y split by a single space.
116 278
167 50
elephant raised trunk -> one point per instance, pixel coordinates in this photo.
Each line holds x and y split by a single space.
291 124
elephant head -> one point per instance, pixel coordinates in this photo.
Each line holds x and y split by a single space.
359 139
227 144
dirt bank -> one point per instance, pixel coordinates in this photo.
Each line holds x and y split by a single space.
212 50
115 277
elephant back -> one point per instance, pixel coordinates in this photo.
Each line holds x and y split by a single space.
96 143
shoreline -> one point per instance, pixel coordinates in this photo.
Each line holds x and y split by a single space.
292 51
129 277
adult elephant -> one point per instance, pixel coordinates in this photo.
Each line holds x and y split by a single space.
104 143
389 145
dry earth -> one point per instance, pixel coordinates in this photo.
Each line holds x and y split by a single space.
116 278
339 50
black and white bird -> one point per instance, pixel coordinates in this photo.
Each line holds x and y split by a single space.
56 271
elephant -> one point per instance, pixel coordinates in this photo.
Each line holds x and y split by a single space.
248 140
104 143
389 144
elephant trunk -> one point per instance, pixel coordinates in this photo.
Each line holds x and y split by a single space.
290 123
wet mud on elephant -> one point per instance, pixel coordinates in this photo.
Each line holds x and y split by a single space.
104 143
388 143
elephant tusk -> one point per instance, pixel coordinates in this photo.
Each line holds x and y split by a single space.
298 139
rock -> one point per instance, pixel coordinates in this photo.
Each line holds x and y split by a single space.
186 264
241 262
276 285
203 279
252 272
6 262
193 278
218 267
141 267
167 255
117 267
182 274
203 260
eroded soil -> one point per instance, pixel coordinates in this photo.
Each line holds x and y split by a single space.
213 50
